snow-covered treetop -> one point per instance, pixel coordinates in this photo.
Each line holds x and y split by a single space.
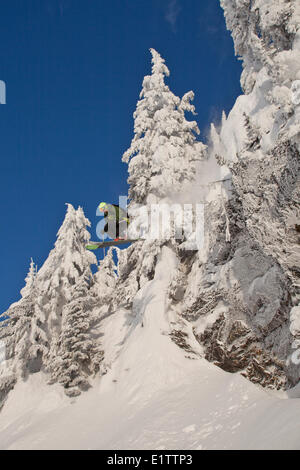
164 149
106 275
69 259
159 71
29 280
74 225
107 264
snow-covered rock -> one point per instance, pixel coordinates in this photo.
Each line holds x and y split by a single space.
254 273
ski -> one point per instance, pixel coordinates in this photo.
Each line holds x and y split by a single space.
96 245
220 181
216 181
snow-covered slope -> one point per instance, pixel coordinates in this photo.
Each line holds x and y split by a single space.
206 409
153 396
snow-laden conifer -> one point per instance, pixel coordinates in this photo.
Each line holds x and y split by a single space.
164 151
50 327
76 355
66 300
106 277
25 335
66 263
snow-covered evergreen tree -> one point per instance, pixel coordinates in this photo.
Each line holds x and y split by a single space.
164 151
29 339
76 355
54 315
106 277
64 282
66 263
25 336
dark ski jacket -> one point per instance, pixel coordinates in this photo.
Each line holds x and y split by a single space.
116 213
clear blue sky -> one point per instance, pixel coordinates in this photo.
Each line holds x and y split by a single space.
73 71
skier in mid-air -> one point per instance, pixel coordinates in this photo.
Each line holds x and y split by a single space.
117 221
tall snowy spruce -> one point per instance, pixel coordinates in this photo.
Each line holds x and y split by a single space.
76 355
106 278
162 163
64 267
23 337
66 282
164 151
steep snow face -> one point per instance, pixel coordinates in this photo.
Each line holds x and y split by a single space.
240 293
146 346
270 100
263 32
154 395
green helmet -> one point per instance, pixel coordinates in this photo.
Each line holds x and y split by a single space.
102 206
